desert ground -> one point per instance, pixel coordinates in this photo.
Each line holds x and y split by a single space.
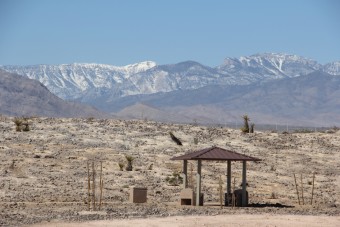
44 176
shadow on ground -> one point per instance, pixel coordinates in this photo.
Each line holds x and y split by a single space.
278 205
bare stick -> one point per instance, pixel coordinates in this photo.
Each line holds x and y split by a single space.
303 201
88 187
297 191
220 188
311 201
93 187
101 185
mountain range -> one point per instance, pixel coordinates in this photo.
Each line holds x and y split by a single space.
21 96
272 87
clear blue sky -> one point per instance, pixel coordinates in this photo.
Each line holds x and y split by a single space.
121 32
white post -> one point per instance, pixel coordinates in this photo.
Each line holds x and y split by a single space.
198 180
244 184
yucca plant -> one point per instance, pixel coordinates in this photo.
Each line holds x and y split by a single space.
129 159
245 128
18 124
121 166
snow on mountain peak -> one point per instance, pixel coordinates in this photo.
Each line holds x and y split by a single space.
79 80
139 67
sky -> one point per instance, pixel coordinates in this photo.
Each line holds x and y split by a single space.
121 32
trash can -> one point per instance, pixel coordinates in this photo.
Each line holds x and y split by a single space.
238 197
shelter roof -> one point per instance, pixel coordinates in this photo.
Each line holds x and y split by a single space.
215 153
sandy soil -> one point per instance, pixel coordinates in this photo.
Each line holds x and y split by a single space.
43 172
213 221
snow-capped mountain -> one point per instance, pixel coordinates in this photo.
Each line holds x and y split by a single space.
332 68
89 82
72 81
269 65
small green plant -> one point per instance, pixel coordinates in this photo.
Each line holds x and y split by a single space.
18 124
129 159
121 166
26 127
175 179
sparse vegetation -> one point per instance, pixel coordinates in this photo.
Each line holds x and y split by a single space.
129 159
304 130
21 124
175 179
245 128
273 195
18 124
121 166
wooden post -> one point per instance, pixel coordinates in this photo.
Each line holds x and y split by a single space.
101 184
220 188
198 182
233 195
297 190
185 174
88 187
303 200
244 184
311 201
93 187
228 181
229 177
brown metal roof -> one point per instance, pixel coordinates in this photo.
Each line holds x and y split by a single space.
215 153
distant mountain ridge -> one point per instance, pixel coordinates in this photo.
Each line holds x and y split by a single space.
21 96
271 88
85 82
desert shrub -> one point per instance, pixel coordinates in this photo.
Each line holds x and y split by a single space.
175 179
18 124
21 124
245 128
90 119
129 159
273 195
26 127
195 140
304 130
121 166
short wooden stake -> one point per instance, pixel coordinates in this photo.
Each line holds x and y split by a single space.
88 187
297 191
220 188
311 201
303 201
233 195
101 185
93 187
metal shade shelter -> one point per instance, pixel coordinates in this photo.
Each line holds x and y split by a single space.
215 154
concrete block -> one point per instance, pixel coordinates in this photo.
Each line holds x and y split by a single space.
138 195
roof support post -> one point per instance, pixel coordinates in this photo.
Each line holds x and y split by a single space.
244 184
198 180
185 173
229 177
